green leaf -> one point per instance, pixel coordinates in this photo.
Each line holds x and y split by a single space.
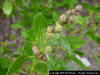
28 48
75 59
60 64
76 41
83 21
11 45
66 46
55 16
1 50
52 42
97 17
5 62
60 4
16 26
42 39
41 67
57 36
12 37
3 71
78 52
7 7
16 64
21 49
87 5
37 32
96 8
79 20
24 34
8 51
39 25
66 3
93 36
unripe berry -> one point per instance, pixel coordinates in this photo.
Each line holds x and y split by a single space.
48 48
63 18
78 8
49 35
50 29
58 28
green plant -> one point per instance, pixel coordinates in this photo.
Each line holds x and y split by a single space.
46 47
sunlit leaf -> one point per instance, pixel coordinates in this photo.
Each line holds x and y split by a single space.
7 7
16 64
76 60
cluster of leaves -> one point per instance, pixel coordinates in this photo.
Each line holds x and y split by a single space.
33 18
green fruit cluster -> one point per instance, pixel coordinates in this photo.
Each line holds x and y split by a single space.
68 18
64 19
35 50
72 14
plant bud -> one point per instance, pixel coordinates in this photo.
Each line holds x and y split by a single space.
78 8
63 18
72 19
58 22
73 11
50 29
41 56
34 47
36 52
49 35
14 58
48 49
68 12
77 13
58 28
44 59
